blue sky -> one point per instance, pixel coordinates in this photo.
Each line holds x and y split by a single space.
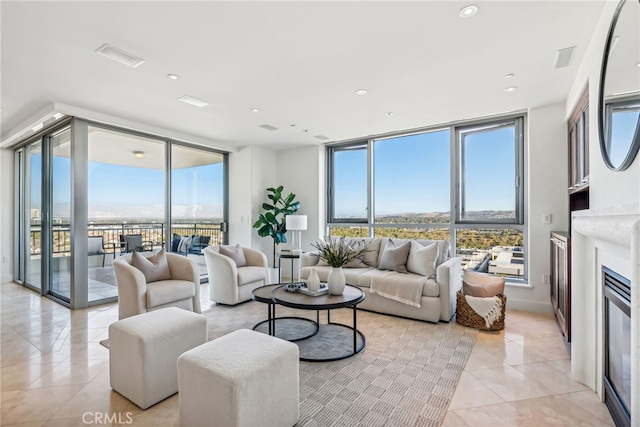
412 174
123 187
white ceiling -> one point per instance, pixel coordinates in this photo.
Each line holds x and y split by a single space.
300 63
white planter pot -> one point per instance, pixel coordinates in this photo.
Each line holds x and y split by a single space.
336 281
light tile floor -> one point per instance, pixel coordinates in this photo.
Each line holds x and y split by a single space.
54 372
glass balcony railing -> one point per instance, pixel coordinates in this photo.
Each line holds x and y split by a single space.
111 233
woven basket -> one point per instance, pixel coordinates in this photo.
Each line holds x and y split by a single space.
467 317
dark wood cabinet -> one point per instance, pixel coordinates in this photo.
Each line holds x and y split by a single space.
561 280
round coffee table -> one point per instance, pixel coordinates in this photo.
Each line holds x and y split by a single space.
264 294
350 298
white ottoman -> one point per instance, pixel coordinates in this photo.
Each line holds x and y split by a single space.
245 378
144 349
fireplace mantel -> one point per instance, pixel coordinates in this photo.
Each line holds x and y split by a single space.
603 237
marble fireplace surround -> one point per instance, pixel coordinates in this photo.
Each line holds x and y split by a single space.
608 237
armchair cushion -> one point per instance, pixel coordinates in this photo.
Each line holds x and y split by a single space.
236 253
154 268
250 274
168 291
175 242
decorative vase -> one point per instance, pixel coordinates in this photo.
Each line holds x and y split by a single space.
313 282
336 281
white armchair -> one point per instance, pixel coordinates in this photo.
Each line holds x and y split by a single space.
136 296
229 284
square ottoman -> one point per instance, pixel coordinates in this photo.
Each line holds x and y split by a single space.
144 350
244 378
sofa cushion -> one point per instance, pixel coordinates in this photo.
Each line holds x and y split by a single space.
422 259
394 257
250 274
154 268
372 251
235 253
168 291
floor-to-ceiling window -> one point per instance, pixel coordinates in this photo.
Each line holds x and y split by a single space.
125 201
60 196
197 201
32 215
463 183
88 193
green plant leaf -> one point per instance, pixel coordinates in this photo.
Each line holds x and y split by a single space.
267 207
271 218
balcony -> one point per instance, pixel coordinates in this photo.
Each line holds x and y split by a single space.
101 279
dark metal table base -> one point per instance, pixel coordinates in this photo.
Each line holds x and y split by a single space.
355 349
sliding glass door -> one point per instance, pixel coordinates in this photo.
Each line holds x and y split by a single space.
32 219
87 194
197 201
60 208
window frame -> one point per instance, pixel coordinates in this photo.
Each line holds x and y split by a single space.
463 131
518 223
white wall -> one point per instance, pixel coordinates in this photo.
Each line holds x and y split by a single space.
302 171
6 215
251 171
546 157
607 188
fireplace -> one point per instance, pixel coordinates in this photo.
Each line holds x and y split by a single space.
609 238
617 346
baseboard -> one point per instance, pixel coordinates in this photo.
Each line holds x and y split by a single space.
530 306
6 278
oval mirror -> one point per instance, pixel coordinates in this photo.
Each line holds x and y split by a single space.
619 97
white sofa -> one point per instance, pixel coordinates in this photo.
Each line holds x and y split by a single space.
438 299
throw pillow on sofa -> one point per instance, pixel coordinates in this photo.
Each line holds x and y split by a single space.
395 258
235 253
154 268
422 259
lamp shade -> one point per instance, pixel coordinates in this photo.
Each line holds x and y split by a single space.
296 222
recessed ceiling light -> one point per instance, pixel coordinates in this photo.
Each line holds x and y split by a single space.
58 116
509 76
193 101
119 55
511 89
638 65
468 11
173 76
37 127
389 113
361 92
255 110
138 154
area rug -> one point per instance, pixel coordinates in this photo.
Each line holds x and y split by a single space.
405 376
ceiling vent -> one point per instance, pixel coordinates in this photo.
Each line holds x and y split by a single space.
564 57
120 56
268 127
322 137
196 102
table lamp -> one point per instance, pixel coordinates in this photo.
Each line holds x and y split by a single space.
296 223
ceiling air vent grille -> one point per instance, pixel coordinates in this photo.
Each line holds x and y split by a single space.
268 127
564 57
119 55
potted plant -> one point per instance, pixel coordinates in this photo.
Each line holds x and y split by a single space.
272 222
337 253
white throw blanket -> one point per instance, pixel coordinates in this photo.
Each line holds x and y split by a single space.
489 309
409 293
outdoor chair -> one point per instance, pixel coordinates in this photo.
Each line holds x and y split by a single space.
97 246
134 242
